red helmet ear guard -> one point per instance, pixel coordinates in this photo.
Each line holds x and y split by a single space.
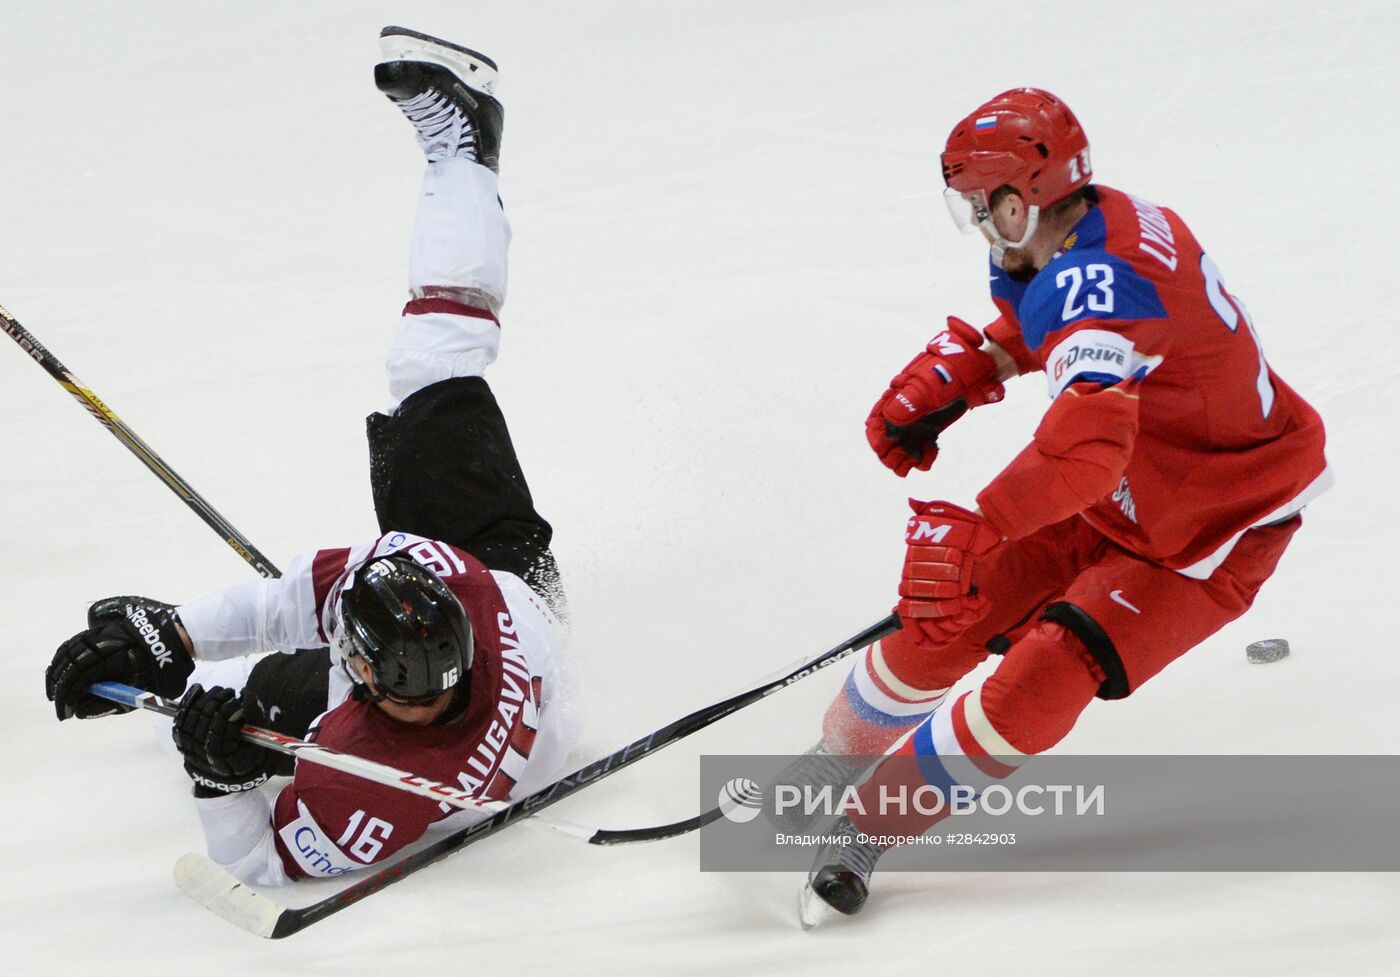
1025 138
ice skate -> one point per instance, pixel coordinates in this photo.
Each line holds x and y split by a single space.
839 881
445 91
812 772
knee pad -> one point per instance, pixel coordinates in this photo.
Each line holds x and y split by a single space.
1037 693
1097 643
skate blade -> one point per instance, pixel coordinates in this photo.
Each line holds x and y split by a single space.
812 910
473 69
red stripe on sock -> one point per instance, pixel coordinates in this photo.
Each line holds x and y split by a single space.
448 307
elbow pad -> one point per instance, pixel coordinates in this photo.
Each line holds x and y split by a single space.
1088 434
1076 458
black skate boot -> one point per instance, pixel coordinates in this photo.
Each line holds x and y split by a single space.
840 877
445 90
812 772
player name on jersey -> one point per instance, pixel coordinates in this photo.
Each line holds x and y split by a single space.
1157 239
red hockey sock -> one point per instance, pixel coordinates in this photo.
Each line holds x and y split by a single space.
896 683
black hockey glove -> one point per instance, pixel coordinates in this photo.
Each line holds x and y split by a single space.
128 639
217 758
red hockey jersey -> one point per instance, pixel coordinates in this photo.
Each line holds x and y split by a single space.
1222 443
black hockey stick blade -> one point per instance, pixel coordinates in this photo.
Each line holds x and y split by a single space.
661 832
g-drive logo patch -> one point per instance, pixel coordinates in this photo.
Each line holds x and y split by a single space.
1091 351
1094 355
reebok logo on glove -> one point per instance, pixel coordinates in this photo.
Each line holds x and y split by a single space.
226 788
149 634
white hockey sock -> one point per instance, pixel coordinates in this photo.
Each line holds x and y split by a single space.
460 240
460 233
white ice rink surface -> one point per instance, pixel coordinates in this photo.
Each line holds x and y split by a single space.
728 236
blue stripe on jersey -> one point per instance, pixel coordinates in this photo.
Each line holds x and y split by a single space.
864 710
1004 287
1091 233
1102 379
1083 286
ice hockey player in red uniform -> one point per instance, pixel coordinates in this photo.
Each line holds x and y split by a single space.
1157 494
433 648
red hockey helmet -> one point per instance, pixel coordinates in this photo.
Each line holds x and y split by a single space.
1024 138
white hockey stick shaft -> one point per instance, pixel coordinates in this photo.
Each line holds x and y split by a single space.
310 752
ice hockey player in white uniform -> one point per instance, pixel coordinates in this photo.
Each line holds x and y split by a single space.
433 648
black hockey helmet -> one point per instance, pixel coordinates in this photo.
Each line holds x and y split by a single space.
409 628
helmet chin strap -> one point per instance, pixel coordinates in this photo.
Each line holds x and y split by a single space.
359 688
1000 244
360 693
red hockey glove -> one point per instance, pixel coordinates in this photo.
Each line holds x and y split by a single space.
952 375
946 544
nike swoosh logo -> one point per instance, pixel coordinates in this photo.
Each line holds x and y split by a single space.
1117 597
273 713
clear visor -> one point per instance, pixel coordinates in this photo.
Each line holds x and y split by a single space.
970 210
346 648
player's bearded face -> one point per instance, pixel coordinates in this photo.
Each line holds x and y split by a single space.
1017 263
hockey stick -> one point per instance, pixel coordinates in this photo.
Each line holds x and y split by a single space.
105 416
411 783
237 903
379 773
